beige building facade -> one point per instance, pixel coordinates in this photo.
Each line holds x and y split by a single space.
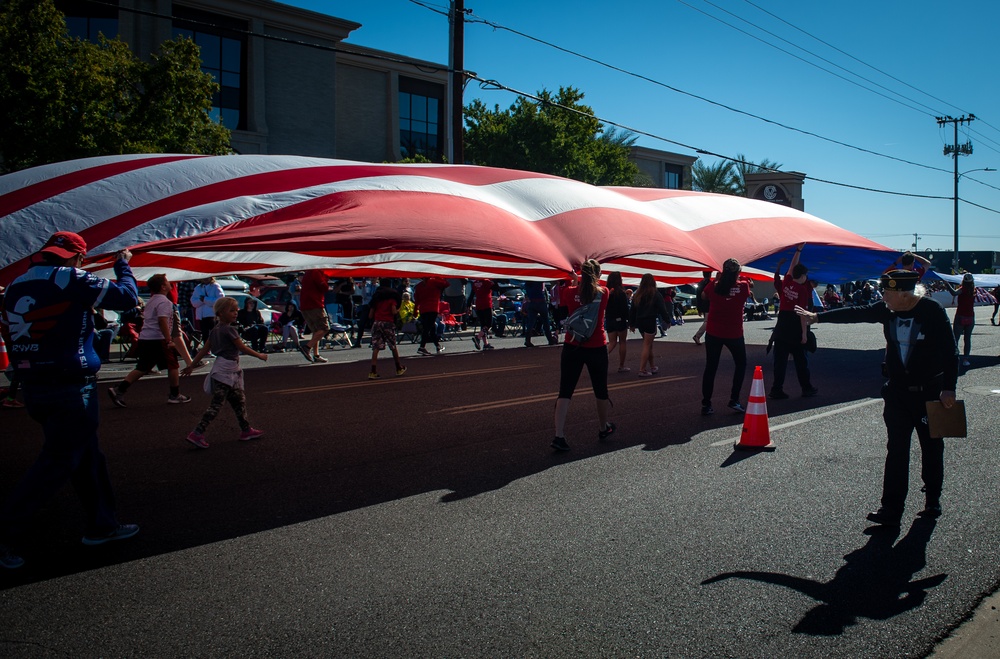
289 84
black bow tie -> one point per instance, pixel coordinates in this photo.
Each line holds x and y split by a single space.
904 322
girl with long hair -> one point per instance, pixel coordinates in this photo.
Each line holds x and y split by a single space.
965 313
616 319
725 328
647 307
592 353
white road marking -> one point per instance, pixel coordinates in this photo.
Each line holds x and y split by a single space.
806 419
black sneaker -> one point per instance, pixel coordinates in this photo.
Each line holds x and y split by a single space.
123 532
609 430
475 341
559 444
422 351
9 560
810 392
777 394
932 510
304 349
735 405
884 517
706 410
116 397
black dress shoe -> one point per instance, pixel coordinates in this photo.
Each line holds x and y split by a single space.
884 517
931 510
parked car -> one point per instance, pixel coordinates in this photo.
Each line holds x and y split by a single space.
232 283
257 283
275 295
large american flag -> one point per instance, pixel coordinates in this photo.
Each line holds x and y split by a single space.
194 216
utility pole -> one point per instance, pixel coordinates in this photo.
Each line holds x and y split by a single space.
457 81
915 239
955 150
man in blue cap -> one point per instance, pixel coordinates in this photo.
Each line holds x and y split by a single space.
921 363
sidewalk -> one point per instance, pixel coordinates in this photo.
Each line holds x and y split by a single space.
979 636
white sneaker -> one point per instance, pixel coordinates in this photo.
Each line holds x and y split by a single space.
178 399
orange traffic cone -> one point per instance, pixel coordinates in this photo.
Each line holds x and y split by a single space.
4 360
756 436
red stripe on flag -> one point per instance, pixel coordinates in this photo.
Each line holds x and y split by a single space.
32 194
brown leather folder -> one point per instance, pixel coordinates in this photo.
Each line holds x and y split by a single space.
944 422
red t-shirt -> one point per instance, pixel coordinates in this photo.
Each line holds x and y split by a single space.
725 312
793 293
428 294
570 296
966 303
315 284
483 288
385 311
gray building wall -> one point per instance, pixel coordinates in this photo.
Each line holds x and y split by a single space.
363 108
299 97
302 100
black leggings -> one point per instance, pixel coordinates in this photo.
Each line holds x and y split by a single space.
571 364
713 351
428 328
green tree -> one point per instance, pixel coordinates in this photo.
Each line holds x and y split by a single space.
63 98
745 166
547 136
720 177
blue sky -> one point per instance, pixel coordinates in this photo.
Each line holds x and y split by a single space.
943 58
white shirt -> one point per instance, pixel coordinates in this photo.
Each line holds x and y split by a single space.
159 306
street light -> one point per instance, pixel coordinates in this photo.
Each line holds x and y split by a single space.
954 260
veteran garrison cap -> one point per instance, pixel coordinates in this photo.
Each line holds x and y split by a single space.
900 280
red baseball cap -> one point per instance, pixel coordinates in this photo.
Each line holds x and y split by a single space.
64 244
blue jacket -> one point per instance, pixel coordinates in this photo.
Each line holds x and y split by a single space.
48 315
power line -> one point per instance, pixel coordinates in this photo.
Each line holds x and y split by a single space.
271 37
486 84
863 63
497 26
853 82
842 52
493 84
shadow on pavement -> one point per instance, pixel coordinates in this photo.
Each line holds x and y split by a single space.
461 424
875 582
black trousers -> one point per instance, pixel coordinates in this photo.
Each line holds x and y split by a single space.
797 351
904 412
713 352
428 329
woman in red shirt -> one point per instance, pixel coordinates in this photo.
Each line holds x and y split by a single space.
724 327
965 313
592 353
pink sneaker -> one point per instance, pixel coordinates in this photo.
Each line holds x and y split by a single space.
197 439
253 433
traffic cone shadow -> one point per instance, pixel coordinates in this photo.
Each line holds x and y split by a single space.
756 435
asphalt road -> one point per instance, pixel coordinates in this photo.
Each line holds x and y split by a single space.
426 516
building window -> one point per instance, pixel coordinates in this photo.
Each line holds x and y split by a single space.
421 117
673 176
85 20
223 55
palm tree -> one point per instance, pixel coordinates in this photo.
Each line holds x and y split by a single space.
744 166
720 177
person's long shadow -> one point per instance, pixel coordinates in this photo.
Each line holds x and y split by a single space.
875 582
